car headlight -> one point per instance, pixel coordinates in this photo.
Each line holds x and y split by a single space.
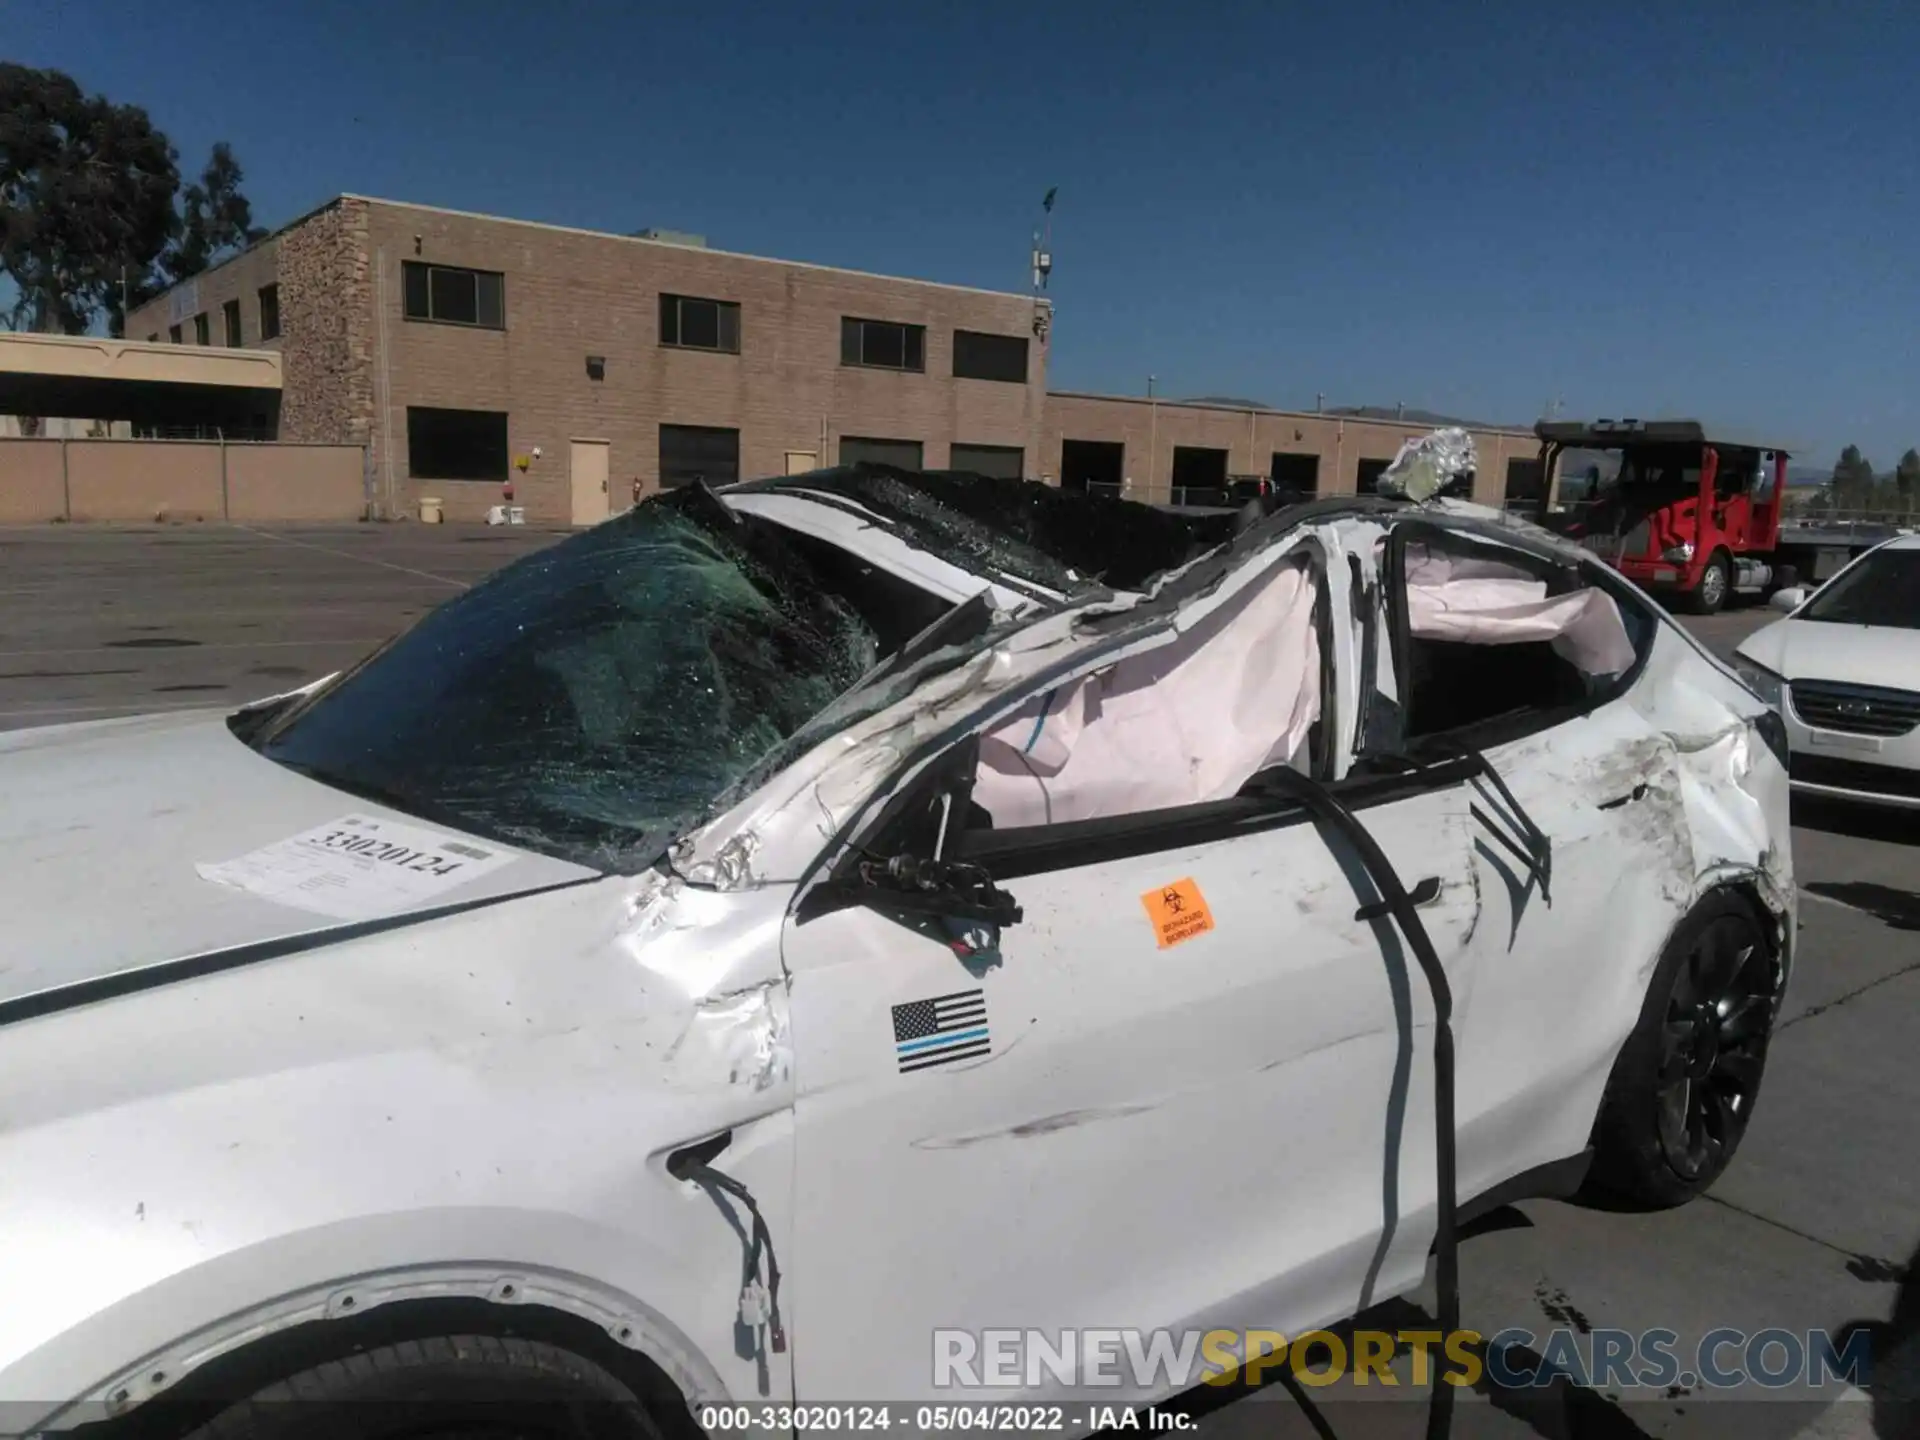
1678 554
1762 681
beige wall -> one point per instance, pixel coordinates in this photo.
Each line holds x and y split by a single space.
296 482
32 483
145 480
1150 430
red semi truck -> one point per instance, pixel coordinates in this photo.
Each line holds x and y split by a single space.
1676 507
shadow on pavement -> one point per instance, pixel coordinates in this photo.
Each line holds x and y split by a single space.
1895 1380
1898 908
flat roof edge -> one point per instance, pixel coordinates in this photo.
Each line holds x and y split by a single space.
1418 427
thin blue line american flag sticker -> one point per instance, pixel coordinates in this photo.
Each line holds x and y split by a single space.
940 1031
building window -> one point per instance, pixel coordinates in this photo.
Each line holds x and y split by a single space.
698 452
883 344
1199 475
863 450
230 320
1095 466
694 324
202 330
989 357
173 334
447 296
269 312
1003 462
456 444
1296 472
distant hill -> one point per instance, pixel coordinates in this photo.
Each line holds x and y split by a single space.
1408 416
1230 401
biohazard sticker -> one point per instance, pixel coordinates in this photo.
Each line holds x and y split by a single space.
1178 911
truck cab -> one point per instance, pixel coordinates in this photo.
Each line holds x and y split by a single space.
1676 507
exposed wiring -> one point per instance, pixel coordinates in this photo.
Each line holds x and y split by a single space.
751 1311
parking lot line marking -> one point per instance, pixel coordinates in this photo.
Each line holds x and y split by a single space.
363 559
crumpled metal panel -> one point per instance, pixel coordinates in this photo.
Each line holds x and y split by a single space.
1429 463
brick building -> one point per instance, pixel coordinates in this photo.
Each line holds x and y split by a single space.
1160 450
464 350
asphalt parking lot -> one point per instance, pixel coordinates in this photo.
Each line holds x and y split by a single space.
1817 1225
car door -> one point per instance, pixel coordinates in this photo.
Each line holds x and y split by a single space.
1189 1087
1582 858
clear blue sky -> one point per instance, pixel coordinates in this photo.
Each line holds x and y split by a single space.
1707 207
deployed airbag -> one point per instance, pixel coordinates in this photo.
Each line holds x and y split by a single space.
1482 601
1185 723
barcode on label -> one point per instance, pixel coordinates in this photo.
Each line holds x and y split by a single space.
454 847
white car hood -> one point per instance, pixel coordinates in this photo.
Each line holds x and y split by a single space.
102 824
1817 650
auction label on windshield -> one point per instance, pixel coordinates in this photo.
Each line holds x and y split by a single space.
359 868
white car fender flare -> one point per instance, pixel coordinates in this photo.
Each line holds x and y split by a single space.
629 1321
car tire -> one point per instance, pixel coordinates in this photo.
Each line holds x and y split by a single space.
1683 1088
1710 596
473 1387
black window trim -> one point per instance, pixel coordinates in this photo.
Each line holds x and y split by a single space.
660 445
431 319
260 305
1026 358
865 364
506 448
1499 729
680 327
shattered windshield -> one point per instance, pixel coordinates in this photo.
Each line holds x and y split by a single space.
1883 589
592 700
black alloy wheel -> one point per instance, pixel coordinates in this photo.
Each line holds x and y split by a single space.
1714 1046
1684 1086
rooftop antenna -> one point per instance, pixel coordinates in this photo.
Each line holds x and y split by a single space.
1043 264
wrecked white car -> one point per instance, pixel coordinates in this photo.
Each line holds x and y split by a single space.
713 955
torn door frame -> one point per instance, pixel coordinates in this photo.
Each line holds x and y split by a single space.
805 811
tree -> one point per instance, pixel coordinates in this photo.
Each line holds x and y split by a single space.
1852 480
88 193
86 189
1906 479
215 219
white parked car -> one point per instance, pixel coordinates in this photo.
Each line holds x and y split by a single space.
714 954
1843 669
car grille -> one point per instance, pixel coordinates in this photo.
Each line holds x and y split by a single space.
1856 709
1854 775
